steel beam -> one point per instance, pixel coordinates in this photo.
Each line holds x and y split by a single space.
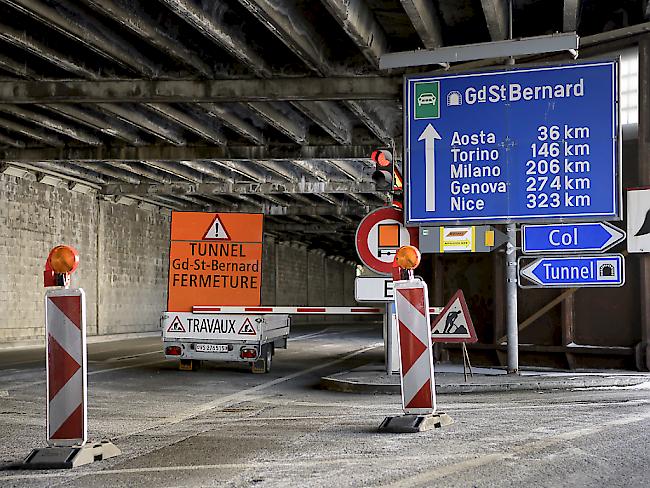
354 170
360 24
177 170
32 133
278 169
50 123
212 24
110 126
71 21
146 170
202 128
315 169
288 23
570 15
291 125
180 153
138 21
9 141
76 173
377 118
425 20
330 117
240 188
120 171
307 227
236 123
166 91
24 41
484 50
242 168
300 210
210 169
133 116
16 68
496 16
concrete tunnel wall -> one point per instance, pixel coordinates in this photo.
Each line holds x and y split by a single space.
124 262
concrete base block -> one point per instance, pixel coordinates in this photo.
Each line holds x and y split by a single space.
415 423
68 457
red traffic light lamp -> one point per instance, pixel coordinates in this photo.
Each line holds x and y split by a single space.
384 169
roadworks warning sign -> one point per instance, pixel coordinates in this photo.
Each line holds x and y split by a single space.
247 328
176 325
454 324
214 259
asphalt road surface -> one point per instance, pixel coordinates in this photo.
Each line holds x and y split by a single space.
223 426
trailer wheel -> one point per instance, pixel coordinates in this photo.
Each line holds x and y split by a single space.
263 364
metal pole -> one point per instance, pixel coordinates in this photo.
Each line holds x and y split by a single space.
512 321
386 332
643 348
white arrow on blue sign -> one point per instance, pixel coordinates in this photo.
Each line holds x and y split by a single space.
582 237
576 271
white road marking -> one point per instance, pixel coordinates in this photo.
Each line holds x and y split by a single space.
22 386
362 460
133 356
307 336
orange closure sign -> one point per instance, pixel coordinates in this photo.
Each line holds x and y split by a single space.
214 259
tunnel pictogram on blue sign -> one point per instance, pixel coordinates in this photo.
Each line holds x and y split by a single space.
523 145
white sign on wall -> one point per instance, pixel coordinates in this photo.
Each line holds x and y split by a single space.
638 220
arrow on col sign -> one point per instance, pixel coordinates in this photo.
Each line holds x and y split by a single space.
429 136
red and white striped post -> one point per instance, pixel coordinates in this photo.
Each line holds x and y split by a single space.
65 326
66 364
415 349
414 340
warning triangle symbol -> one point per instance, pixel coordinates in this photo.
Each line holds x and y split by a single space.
454 324
216 231
247 328
176 326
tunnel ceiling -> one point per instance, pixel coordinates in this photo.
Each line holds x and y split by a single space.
267 106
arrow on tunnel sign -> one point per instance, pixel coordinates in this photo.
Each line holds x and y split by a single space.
596 236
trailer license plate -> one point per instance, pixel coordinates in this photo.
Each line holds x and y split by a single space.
211 348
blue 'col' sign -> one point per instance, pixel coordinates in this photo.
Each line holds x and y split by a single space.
525 144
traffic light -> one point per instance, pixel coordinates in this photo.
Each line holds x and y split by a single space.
384 169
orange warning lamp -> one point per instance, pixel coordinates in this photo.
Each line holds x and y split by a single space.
61 262
64 259
408 257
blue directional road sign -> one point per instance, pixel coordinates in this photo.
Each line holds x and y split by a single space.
519 144
569 272
583 237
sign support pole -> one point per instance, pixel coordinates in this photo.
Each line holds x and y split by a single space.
388 342
512 321
643 348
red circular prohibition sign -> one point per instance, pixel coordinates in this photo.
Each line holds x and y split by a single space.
363 232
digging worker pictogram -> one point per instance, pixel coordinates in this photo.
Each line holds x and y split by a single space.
451 320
